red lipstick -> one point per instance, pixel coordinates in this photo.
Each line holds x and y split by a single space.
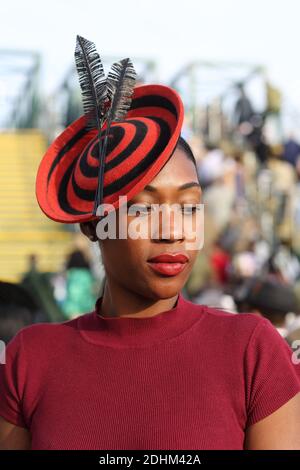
169 264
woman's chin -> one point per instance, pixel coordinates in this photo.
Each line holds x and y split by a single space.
165 291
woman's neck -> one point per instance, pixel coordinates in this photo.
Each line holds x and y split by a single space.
119 302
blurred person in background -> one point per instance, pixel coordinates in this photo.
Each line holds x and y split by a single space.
80 293
219 197
39 285
245 263
286 261
219 260
249 124
210 165
291 150
283 186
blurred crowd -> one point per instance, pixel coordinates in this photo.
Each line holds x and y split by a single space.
251 256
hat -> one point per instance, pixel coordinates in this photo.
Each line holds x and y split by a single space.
138 146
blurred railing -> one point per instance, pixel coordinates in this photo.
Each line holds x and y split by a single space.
19 89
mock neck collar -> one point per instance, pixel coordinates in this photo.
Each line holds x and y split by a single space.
120 332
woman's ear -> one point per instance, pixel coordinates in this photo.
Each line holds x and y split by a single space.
89 230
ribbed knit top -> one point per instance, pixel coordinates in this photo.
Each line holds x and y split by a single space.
192 377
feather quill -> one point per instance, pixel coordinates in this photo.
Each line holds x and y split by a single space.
120 83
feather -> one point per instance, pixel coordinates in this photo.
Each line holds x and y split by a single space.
92 82
120 83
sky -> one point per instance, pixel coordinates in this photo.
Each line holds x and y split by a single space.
173 33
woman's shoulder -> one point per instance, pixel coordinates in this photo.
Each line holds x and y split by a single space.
254 334
249 334
221 320
45 335
266 356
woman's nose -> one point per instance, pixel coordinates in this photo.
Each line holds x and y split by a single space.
168 224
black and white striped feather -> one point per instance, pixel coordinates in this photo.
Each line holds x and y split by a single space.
120 83
92 82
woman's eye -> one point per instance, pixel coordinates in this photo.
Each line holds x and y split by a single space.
137 209
189 210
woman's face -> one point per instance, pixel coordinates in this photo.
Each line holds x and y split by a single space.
127 261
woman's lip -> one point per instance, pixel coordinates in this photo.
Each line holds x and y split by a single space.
169 258
168 269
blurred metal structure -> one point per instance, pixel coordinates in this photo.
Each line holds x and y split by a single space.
19 89
211 90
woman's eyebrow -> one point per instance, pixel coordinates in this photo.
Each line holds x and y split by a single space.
191 184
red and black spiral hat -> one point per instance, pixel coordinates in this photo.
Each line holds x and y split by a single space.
126 136
138 147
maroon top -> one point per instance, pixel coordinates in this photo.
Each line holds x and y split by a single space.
191 377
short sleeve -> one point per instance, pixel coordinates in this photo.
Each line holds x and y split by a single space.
271 376
12 381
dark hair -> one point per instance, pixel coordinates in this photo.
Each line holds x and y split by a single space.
272 298
17 309
13 317
183 145
76 259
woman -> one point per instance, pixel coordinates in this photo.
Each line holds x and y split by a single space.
147 369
